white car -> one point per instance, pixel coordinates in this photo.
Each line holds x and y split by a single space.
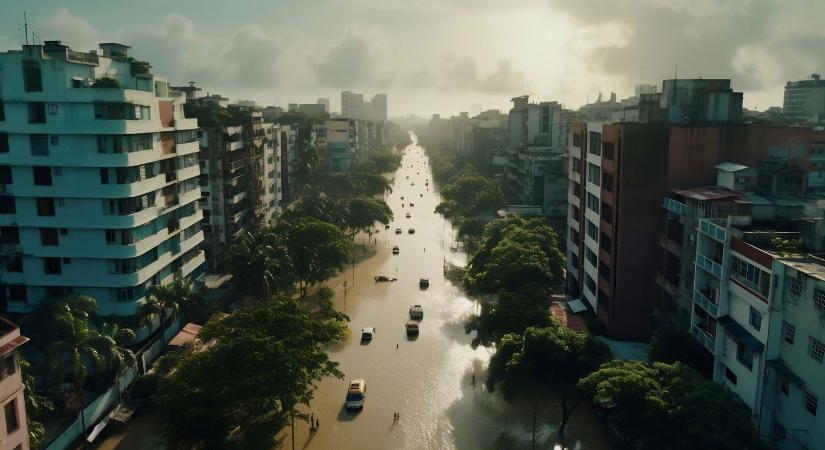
396 250
409 215
367 333
416 312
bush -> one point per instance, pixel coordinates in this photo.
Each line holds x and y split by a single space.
106 82
146 385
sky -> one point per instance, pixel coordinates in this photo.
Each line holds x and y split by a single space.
434 56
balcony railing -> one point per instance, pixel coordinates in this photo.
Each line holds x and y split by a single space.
714 231
706 303
706 339
674 206
709 265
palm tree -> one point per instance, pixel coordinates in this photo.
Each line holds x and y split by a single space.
259 263
168 297
83 348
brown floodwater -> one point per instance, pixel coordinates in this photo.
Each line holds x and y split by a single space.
428 379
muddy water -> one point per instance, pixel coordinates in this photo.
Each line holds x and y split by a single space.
427 380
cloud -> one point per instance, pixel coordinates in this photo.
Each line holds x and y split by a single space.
731 39
69 28
253 57
353 62
461 73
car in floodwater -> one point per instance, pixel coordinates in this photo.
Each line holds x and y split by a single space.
356 393
367 333
412 328
396 250
416 312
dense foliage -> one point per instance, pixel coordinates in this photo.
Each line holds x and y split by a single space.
276 355
318 249
671 406
515 252
509 312
669 345
260 264
469 194
553 358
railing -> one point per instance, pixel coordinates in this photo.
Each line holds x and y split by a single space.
706 339
709 265
674 206
88 58
713 230
706 303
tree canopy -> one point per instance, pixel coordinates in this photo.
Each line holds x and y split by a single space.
276 355
672 406
363 212
470 193
510 312
514 252
259 262
318 249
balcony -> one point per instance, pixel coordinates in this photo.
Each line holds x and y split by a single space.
707 300
714 231
709 265
667 285
704 337
234 165
670 245
674 206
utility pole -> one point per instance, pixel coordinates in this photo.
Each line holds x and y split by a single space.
293 431
345 295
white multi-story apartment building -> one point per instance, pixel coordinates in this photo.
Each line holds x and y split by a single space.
98 179
758 299
14 433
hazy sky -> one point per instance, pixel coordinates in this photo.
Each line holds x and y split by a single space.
443 56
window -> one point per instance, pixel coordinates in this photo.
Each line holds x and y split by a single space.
590 283
591 257
48 236
755 319
595 143
607 213
796 285
18 293
51 266
111 236
785 386
12 422
593 203
45 206
77 83
576 188
577 165
39 144
575 213
32 80
730 375
811 402
5 174
816 349
607 182
37 112
8 368
577 140
819 299
7 204
2 111
788 332
606 243
604 271
42 175
594 174
54 140
744 355
4 142
51 108
593 231
607 151
751 277
104 175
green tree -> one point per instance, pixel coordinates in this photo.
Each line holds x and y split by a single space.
208 114
260 263
316 204
553 358
165 301
82 349
669 345
276 353
318 250
363 212
370 184
672 406
470 193
510 312
36 406
515 252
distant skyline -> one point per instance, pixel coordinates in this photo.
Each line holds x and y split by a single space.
442 57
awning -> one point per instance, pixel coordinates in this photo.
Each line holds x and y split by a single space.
740 334
576 305
778 366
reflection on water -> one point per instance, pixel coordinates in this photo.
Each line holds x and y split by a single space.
426 380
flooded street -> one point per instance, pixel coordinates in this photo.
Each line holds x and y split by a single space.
428 379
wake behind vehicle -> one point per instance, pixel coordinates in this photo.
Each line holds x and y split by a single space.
356 393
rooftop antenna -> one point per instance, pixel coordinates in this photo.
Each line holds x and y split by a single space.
26 27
